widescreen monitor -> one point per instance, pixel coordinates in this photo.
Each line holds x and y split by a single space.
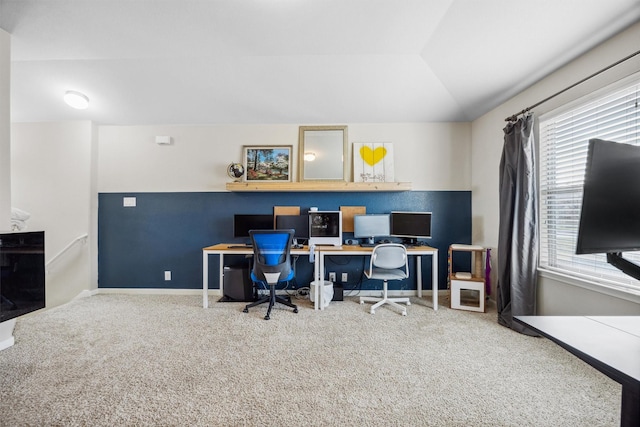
242 223
371 226
411 226
610 215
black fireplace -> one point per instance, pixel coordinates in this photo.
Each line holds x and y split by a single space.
22 273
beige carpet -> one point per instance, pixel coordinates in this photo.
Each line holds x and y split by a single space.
114 360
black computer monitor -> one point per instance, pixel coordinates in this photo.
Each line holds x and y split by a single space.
300 223
242 223
371 226
411 226
609 218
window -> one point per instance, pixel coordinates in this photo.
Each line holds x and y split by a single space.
612 114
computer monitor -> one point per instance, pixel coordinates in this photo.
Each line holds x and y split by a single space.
411 226
300 223
371 226
609 218
325 228
242 223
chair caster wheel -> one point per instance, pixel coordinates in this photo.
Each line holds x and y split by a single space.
246 310
295 310
373 312
408 302
404 313
267 317
361 302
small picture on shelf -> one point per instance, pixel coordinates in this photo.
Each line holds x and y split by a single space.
267 162
373 162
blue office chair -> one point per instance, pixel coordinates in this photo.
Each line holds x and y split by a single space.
388 262
271 265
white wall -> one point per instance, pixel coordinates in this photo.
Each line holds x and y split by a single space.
51 168
59 168
555 297
433 156
5 132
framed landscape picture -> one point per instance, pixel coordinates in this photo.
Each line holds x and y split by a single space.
267 162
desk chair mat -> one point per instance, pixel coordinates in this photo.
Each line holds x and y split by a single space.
226 298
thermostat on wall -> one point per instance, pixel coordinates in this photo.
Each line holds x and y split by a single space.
163 140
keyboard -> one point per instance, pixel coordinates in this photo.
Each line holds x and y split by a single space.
367 245
239 246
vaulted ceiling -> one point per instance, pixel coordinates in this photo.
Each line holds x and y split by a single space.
292 61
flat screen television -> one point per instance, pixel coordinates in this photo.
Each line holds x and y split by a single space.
299 223
411 226
22 273
242 223
610 213
325 228
371 226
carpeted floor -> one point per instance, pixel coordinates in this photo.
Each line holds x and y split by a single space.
123 360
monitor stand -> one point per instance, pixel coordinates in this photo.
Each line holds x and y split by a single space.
410 241
626 266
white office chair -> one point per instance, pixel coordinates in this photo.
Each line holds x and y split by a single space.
388 262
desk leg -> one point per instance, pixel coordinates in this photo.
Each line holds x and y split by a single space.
320 283
205 280
419 275
434 279
630 412
221 275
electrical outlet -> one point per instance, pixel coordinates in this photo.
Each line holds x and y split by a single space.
332 276
129 202
345 277
167 275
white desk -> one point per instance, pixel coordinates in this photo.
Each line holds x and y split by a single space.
418 251
611 344
223 249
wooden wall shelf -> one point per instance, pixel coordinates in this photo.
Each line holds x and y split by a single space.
318 186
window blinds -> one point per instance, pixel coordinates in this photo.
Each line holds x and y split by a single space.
613 115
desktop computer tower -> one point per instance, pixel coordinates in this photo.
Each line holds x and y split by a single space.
237 284
338 292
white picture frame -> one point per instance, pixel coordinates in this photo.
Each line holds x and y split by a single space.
373 162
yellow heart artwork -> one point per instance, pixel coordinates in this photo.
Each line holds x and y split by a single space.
371 157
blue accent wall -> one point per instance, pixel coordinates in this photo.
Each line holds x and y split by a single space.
167 231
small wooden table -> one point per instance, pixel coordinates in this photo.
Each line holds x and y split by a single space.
611 344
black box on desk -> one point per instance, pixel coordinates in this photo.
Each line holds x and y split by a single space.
237 285
338 293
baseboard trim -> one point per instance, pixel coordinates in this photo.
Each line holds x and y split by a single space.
6 334
155 291
216 292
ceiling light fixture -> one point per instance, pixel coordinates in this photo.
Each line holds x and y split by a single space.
76 100
309 156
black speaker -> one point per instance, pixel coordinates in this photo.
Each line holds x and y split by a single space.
338 293
352 242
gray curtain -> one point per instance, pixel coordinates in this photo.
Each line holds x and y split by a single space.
518 230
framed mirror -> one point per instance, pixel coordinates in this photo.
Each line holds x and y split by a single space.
323 153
